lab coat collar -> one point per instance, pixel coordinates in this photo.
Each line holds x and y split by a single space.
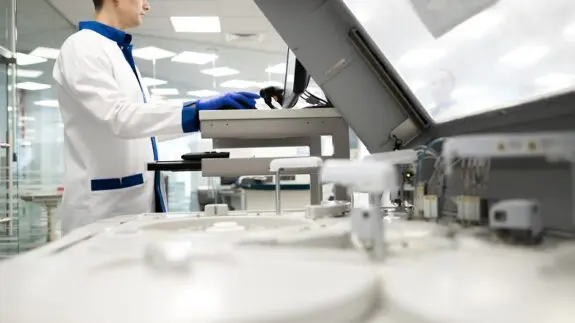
120 37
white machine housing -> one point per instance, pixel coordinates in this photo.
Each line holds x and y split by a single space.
367 176
517 215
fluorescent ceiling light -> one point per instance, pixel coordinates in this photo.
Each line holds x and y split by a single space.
525 55
47 103
152 53
277 69
556 81
194 58
196 24
32 86
220 71
238 84
25 59
203 93
46 52
149 81
421 57
157 98
165 92
28 73
569 32
270 83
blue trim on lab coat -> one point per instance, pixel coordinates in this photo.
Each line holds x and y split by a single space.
117 183
124 42
190 119
111 33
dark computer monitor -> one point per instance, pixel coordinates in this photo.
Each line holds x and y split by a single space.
296 81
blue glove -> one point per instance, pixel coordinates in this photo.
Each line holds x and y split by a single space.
229 101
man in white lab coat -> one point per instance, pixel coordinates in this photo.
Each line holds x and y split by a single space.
110 123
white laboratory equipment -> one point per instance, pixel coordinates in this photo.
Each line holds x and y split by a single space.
49 201
269 268
335 261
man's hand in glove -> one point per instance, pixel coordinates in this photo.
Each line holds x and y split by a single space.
228 101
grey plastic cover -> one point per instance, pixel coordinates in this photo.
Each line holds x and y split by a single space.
318 32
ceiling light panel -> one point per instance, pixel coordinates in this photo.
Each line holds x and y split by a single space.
46 52
152 53
203 93
194 58
525 55
238 84
149 81
196 24
28 73
220 71
157 98
162 92
25 59
32 86
277 69
47 103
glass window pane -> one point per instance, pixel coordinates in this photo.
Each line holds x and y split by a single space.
6 23
465 57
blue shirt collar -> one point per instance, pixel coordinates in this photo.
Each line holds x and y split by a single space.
111 33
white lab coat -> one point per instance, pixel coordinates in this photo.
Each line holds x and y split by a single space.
107 131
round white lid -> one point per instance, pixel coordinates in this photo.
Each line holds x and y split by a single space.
184 282
218 224
478 285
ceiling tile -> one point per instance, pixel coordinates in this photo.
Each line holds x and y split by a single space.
238 16
162 24
186 41
238 8
168 8
74 11
245 25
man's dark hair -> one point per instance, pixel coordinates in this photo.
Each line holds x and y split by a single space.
98 4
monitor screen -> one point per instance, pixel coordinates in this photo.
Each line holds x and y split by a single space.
296 80
289 75
462 58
